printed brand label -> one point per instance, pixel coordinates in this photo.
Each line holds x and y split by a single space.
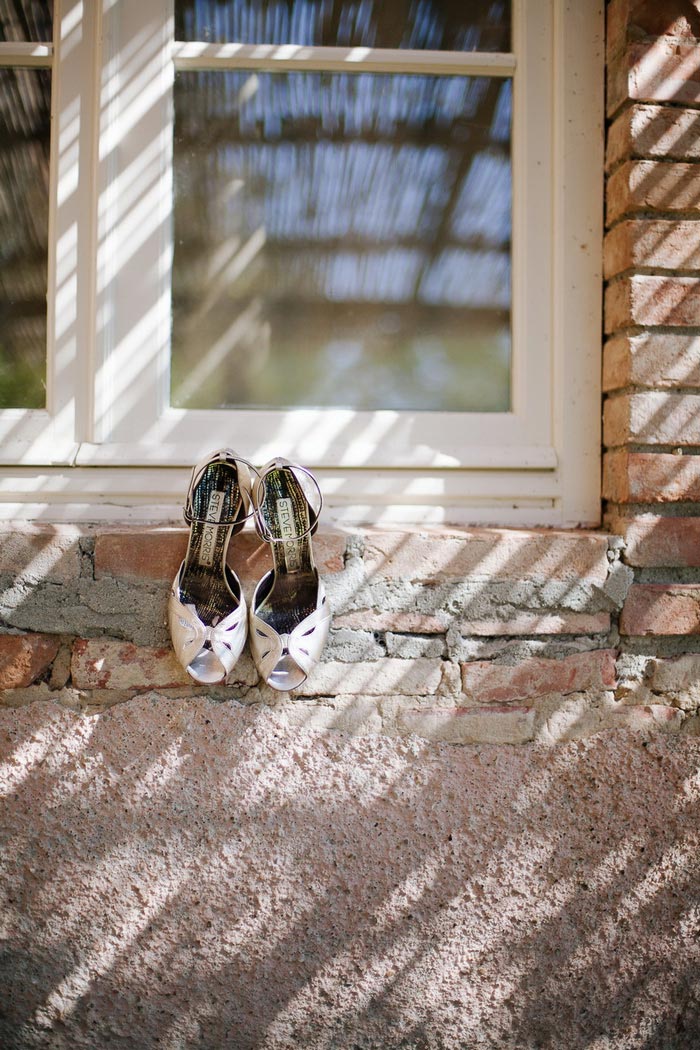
285 520
214 509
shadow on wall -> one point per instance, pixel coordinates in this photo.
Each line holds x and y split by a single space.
181 873
419 619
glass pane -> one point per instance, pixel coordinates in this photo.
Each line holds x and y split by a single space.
477 25
25 107
342 240
26 20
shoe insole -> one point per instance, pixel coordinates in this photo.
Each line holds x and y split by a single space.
216 498
294 590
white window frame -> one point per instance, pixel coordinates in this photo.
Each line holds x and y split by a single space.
102 446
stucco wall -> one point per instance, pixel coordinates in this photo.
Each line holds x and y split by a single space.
182 873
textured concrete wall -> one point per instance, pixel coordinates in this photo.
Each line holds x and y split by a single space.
462 634
184 873
459 635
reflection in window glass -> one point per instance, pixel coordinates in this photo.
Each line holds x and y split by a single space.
25 98
342 240
26 20
480 25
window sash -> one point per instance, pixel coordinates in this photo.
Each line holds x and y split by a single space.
273 58
135 346
111 252
53 435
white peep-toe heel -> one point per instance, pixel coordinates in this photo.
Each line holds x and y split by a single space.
207 611
290 616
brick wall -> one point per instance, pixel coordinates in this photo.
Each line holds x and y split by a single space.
472 634
458 635
651 368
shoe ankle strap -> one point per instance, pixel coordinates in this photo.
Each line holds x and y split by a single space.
224 455
259 497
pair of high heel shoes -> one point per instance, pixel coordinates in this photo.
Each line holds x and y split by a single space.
207 611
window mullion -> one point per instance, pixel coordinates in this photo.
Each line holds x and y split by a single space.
532 221
274 57
26 54
71 255
133 248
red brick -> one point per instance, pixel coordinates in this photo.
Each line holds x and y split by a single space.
649 300
663 132
156 553
585 723
402 622
661 360
105 664
663 609
680 674
642 717
25 657
511 554
652 418
520 624
143 554
632 19
650 477
660 70
487 682
422 676
616 421
660 244
649 185
676 18
535 623
616 20
616 363
616 484
655 541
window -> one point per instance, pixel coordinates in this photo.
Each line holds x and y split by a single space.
363 235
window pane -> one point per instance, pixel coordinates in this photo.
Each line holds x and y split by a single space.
24 211
480 25
26 20
342 240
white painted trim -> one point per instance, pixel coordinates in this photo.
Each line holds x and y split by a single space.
134 254
169 450
26 55
169 484
338 437
577 306
71 327
156 494
48 435
277 58
132 383
506 514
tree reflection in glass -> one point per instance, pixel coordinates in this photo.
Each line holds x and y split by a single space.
452 25
25 120
342 240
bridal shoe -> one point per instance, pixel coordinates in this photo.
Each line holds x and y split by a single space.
290 616
207 611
